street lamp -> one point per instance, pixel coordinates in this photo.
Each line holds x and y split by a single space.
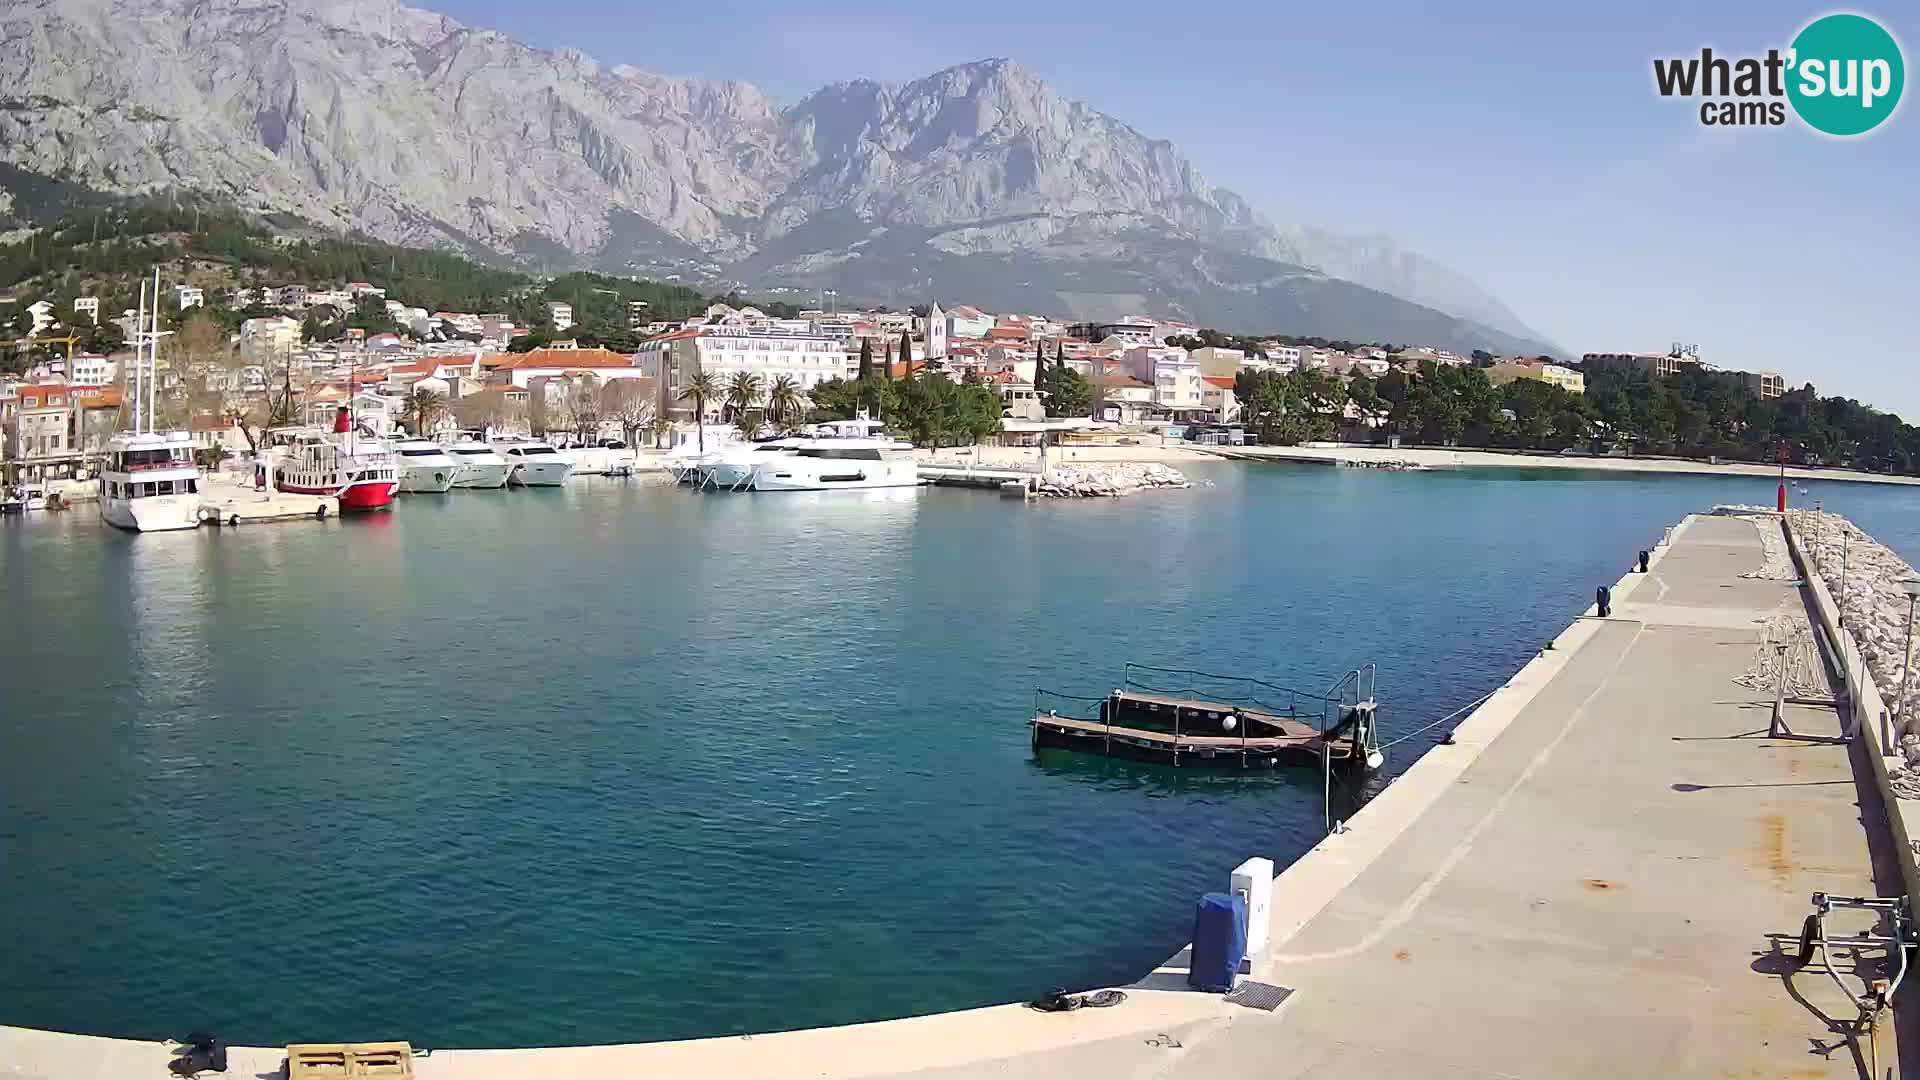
1912 587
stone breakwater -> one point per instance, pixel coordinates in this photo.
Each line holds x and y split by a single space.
1872 604
1087 481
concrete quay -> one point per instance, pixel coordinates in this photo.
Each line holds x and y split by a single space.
1602 874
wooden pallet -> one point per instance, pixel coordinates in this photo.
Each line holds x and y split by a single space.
350 1061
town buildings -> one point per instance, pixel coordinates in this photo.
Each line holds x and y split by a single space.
1565 378
768 351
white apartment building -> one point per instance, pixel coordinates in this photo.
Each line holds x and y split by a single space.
722 351
1174 375
188 296
92 369
88 306
264 341
290 296
562 315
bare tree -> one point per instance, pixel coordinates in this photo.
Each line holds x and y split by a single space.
631 402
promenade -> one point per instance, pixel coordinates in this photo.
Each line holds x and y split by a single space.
1603 875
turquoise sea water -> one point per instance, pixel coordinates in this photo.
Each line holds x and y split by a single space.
619 763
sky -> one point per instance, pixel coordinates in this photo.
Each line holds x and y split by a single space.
1522 145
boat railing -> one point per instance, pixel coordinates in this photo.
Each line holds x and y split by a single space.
1240 690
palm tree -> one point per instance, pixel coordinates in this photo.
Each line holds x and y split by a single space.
783 400
422 408
702 388
749 427
742 392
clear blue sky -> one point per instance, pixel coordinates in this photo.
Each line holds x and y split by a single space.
1523 145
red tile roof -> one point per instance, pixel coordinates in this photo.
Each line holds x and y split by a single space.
1219 380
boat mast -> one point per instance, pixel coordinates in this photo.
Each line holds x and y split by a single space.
139 352
153 350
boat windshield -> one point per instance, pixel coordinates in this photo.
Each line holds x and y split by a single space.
135 460
532 450
419 453
472 451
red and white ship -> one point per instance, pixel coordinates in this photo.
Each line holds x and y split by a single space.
363 475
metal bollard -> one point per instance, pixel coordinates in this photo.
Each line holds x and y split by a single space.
1603 601
1643 562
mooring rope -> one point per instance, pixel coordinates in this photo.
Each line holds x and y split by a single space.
1806 669
1475 703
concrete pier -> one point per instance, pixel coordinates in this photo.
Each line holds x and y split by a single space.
1603 875
231 499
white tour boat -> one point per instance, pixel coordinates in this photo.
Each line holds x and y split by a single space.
535 463
480 465
149 482
425 467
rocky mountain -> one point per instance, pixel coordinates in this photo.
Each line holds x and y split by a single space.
976 183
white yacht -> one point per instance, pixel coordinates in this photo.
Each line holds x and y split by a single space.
481 466
732 466
149 482
839 464
535 463
425 467
605 458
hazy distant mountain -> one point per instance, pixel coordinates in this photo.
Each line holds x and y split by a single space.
976 183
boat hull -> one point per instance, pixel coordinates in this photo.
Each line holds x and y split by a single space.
482 476
358 497
157 513
428 479
784 477
541 473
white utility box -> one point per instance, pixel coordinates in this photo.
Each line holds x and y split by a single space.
1253 879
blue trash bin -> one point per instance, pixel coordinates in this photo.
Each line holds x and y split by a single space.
1219 942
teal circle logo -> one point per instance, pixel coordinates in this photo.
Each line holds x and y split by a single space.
1845 74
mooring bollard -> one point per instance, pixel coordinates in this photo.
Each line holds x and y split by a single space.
1602 601
1643 562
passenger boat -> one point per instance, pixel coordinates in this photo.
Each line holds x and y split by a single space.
425 467
535 463
359 472
481 467
149 482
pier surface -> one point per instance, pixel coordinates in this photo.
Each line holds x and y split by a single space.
1613 887
1603 875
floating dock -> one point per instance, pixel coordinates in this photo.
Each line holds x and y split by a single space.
1236 728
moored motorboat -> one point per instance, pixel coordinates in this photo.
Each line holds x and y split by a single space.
535 463
425 467
481 467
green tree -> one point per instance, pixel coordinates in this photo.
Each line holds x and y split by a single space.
783 401
423 407
1068 393
742 393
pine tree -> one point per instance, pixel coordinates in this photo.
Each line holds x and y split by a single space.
1039 369
866 359
906 351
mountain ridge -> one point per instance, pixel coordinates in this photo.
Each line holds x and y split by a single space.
408 126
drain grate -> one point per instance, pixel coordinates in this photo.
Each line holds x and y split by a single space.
1258 995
